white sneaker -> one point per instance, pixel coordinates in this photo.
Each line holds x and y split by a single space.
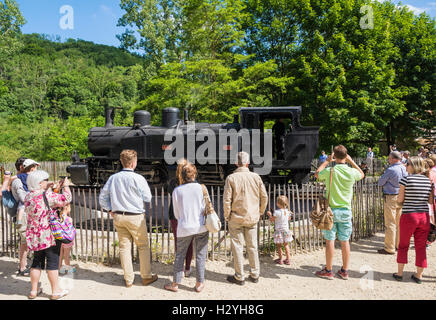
69 269
63 270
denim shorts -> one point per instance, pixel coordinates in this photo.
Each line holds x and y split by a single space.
342 225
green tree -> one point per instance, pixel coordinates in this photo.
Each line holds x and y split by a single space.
11 22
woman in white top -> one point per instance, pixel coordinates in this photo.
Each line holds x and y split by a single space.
189 206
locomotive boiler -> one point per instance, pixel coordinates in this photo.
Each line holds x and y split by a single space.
291 148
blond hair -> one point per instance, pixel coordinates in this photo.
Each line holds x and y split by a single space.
433 158
189 173
127 157
283 202
180 164
418 164
430 162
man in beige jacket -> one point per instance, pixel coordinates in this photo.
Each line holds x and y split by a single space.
245 200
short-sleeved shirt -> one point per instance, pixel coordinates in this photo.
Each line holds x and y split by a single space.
390 179
343 180
417 192
282 217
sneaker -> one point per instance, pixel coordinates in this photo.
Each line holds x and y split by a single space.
325 274
253 279
187 273
63 270
70 270
343 274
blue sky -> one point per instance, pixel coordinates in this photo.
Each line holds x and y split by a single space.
93 20
96 20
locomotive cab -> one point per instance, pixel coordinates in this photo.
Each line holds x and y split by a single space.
294 145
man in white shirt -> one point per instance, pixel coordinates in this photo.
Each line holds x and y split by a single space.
123 196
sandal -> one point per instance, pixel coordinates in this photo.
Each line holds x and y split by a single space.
33 296
287 262
24 273
278 261
416 279
170 287
60 295
199 288
397 277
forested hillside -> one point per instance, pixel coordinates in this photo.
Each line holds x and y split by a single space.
360 85
53 92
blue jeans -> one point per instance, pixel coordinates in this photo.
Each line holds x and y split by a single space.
342 225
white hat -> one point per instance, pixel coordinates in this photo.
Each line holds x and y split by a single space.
34 179
29 162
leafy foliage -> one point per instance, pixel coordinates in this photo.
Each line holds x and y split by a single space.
361 86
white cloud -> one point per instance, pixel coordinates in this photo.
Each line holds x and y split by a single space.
106 10
416 10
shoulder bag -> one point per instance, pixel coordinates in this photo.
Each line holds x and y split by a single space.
213 223
432 233
321 214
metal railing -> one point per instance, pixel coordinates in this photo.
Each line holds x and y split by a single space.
97 241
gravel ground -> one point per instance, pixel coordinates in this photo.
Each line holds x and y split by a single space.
278 282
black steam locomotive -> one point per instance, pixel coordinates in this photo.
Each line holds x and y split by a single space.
291 147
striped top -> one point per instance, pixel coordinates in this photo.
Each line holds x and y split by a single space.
418 188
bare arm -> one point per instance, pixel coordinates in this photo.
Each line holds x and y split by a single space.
431 198
323 166
355 166
400 198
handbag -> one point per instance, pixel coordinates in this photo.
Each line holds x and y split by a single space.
212 221
321 214
432 233
61 229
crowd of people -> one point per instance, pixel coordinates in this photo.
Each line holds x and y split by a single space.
408 188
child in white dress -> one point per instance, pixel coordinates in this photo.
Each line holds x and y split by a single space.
282 234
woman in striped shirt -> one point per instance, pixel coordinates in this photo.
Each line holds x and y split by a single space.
415 194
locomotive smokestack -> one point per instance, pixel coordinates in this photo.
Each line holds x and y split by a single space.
110 115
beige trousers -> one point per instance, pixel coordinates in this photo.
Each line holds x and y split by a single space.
238 233
392 214
133 228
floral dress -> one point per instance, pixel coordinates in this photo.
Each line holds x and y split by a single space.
38 233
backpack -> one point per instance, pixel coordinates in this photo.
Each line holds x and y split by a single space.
10 203
61 229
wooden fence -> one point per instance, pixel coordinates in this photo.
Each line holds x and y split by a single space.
97 241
